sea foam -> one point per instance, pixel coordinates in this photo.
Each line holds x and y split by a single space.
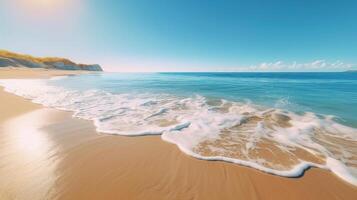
272 140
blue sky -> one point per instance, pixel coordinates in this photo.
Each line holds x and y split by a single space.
183 35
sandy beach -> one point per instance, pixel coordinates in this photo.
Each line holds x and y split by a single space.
48 154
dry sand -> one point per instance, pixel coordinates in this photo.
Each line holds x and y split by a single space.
47 154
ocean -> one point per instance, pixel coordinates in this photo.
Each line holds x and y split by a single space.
279 123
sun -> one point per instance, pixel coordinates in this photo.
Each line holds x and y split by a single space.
42 1
43 6
44 12
46 3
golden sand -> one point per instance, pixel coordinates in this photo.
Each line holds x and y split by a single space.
47 154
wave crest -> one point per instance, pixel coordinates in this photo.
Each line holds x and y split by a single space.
272 140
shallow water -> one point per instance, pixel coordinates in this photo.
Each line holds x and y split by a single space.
280 123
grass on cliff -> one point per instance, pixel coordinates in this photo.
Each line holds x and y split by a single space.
11 55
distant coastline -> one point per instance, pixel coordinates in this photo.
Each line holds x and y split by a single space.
11 59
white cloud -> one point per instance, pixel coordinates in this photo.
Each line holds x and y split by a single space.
317 65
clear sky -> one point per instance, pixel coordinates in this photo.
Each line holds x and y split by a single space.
186 35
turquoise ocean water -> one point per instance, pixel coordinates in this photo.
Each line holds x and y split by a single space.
279 123
323 93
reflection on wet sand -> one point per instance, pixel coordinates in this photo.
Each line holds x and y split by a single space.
28 157
33 151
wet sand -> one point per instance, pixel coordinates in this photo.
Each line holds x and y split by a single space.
47 154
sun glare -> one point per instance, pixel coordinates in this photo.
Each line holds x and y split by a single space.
44 2
44 11
43 5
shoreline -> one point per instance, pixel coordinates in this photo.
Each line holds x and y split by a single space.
84 164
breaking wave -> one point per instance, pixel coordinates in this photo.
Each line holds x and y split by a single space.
272 140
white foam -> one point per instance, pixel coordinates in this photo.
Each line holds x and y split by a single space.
188 122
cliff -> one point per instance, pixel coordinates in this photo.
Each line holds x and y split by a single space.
10 59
